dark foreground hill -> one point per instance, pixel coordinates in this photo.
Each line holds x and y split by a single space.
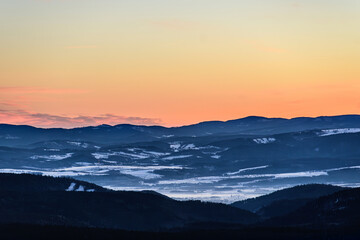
51 203
37 207
287 200
338 209
37 183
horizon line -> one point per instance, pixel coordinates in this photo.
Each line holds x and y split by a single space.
186 125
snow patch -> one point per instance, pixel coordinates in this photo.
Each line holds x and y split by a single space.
99 156
147 153
166 136
44 172
121 154
215 179
190 146
156 154
176 157
51 150
80 189
247 169
264 140
175 146
71 187
135 154
144 172
112 162
79 144
52 157
329 132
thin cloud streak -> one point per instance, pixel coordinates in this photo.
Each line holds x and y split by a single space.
23 117
11 112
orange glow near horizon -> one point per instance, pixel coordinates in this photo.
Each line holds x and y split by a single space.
171 63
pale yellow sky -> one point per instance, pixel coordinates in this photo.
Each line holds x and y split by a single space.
176 62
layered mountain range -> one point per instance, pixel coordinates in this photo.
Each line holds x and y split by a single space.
213 161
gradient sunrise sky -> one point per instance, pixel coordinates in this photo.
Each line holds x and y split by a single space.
68 63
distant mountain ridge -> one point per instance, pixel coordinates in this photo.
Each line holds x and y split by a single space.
253 125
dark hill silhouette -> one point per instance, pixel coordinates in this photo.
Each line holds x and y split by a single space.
37 183
287 200
338 209
44 200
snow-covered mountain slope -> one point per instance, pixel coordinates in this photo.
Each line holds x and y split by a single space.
217 167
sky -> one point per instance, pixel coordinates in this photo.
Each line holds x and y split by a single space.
71 63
